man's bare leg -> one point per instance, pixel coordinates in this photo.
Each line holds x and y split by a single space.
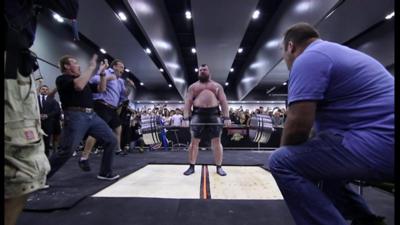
89 143
55 141
83 161
218 154
12 208
117 132
193 152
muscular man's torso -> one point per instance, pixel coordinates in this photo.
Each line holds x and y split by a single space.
205 94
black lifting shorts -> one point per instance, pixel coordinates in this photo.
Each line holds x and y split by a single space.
206 115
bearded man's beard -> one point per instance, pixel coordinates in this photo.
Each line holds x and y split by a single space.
204 79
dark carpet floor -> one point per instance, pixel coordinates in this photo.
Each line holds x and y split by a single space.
68 200
70 185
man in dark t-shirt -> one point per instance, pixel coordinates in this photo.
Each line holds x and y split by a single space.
79 118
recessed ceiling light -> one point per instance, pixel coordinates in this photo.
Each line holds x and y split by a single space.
389 16
232 69
141 83
256 14
240 50
58 18
226 83
193 50
196 70
122 16
103 51
161 70
127 70
188 15
169 85
148 51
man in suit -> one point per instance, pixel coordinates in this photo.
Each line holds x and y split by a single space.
49 115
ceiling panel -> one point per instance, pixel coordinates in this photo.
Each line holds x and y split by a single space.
342 25
269 52
353 17
162 37
219 27
98 22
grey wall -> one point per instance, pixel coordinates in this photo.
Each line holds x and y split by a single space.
378 43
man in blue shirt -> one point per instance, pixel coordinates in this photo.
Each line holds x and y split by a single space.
348 99
106 104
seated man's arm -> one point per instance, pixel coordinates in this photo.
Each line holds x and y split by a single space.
299 121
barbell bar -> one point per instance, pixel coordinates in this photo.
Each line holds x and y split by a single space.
260 128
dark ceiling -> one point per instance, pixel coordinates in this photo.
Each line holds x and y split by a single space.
217 29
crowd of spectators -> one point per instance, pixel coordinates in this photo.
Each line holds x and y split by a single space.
238 116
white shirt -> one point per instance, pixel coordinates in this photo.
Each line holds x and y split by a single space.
176 120
41 99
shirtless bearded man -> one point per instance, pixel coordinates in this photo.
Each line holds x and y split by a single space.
205 96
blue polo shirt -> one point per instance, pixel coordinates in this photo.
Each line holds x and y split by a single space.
354 94
115 91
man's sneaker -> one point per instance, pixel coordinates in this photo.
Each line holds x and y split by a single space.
109 176
141 150
373 220
189 171
221 172
84 164
123 153
46 186
119 151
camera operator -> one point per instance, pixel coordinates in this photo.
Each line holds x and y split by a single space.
25 162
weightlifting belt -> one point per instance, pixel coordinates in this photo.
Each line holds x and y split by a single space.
206 111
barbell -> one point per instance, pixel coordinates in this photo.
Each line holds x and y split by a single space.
260 128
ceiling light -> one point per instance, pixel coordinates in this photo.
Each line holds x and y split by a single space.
271 89
148 51
161 70
127 70
273 43
122 16
226 83
179 80
58 18
141 83
256 14
193 50
240 50
232 70
103 51
169 85
188 15
303 7
284 83
390 16
162 44
196 70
